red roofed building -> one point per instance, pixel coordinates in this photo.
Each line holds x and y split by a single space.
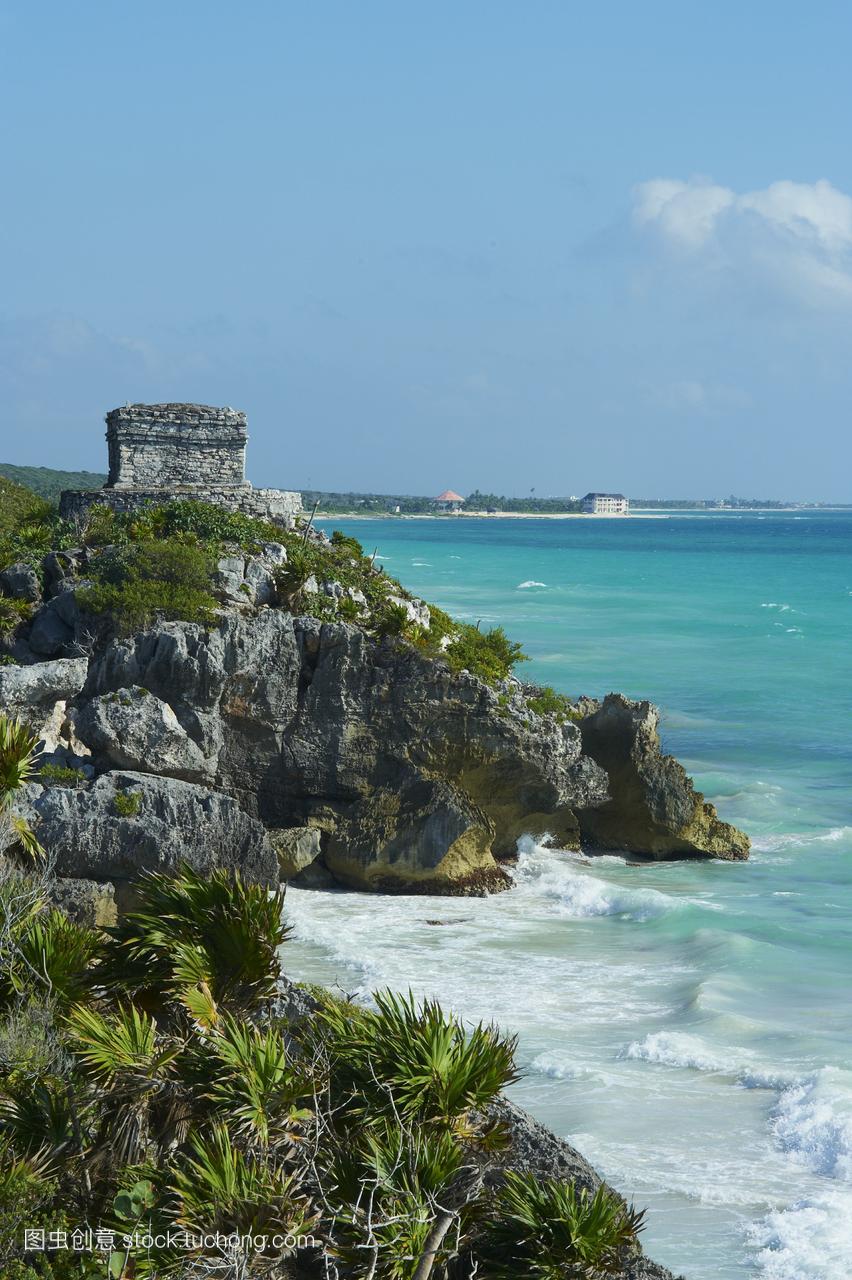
448 501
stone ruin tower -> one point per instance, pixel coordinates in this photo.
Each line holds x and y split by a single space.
162 451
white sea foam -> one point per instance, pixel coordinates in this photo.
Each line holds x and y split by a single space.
811 1240
531 582
563 880
680 1049
813 1122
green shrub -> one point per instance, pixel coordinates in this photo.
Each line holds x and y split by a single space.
12 614
393 621
553 1230
343 542
491 655
547 702
150 579
126 803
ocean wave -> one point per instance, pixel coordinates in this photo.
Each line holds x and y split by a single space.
799 839
812 1122
579 894
530 582
679 1049
810 1240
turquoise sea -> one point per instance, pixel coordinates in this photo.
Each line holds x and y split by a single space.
687 1025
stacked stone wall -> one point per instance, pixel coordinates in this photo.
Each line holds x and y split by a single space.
175 444
278 505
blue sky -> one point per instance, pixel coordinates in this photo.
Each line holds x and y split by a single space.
488 245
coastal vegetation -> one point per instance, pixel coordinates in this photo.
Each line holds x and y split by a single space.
152 1088
163 563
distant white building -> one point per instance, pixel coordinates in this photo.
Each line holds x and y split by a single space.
606 504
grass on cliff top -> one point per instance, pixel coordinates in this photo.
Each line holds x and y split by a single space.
161 563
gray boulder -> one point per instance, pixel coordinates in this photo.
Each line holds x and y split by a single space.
133 729
126 822
50 635
296 847
21 582
38 694
84 901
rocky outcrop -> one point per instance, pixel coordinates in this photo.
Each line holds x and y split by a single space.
125 823
38 694
416 774
413 777
653 807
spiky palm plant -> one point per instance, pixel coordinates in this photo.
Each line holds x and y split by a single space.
292 577
36 1117
257 1085
221 1188
401 1188
415 1061
553 1230
209 941
54 954
18 756
131 1074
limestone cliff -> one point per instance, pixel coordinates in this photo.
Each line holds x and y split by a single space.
412 777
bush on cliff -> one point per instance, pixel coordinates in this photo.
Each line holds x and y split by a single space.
147 1083
165 579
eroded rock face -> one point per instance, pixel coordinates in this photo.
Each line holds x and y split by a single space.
38 694
417 773
654 809
127 822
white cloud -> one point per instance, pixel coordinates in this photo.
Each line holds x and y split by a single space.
797 233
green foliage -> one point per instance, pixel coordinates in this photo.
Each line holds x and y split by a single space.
58 775
221 1188
292 577
126 804
12 614
197 931
56 953
531 505
491 655
258 1087
48 483
547 702
343 541
552 1230
393 621
414 1061
151 579
18 758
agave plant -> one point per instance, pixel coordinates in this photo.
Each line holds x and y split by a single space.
553 1230
292 578
18 755
415 1061
208 941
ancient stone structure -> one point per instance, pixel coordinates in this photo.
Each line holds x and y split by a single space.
162 451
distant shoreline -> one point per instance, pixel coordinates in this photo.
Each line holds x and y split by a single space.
642 513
